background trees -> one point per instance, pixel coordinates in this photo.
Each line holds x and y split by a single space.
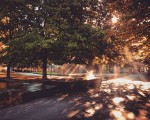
132 27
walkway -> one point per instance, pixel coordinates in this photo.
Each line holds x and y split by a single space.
114 100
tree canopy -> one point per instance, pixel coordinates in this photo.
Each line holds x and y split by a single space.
132 28
76 31
50 30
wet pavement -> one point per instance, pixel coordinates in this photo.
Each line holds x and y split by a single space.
126 98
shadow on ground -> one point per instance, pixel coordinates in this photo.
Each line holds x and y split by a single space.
113 101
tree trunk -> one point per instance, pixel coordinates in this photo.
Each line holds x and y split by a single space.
44 73
51 70
148 73
9 39
8 71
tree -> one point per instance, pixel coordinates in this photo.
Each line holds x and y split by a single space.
78 33
57 31
11 12
132 27
22 19
64 35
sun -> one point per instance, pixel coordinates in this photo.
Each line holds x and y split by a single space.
114 19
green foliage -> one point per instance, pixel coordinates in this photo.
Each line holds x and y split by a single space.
83 45
53 30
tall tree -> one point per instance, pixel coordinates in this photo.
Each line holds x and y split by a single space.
11 16
66 37
60 31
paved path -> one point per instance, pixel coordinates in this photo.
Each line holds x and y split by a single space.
113 100
31 76
21 76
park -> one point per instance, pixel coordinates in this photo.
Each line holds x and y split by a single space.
74 60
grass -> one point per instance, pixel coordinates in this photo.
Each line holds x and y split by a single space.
48 73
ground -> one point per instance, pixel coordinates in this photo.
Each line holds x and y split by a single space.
126 98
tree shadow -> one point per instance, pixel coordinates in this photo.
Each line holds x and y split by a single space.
111 101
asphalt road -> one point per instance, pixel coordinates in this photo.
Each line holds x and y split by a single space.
126 98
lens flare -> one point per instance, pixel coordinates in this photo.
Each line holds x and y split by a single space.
90 76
